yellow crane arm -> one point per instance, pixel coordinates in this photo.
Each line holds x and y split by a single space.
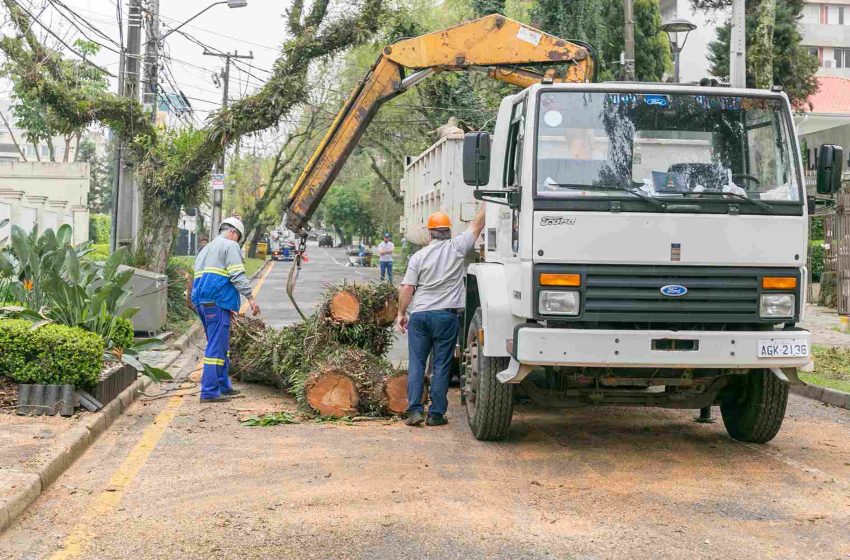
493 44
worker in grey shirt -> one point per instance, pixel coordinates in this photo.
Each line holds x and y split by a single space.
433 293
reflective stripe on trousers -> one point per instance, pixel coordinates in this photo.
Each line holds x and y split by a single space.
216 322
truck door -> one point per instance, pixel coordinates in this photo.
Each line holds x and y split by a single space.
509 233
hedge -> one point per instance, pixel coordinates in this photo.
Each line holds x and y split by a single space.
122 335
51 354
817 254
99 226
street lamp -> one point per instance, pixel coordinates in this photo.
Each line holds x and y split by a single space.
672 28
230 4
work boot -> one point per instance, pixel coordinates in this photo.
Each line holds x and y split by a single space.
232 392
220 398
436 420
415 419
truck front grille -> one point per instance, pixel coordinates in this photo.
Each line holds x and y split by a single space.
625 293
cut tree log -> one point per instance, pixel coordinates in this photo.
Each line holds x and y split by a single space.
395 389
331 394
344 307
385 316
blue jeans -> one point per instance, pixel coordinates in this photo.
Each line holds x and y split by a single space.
387 266
216 322
435 333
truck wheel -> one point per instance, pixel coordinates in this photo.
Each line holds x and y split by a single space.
755 406
489 403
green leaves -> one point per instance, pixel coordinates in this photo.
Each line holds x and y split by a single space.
271 419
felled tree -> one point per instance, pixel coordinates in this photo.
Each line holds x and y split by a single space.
172 168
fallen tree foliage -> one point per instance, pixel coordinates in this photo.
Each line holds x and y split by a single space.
334 362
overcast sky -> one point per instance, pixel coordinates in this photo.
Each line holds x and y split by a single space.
258 28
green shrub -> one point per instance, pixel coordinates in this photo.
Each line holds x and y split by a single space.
99 252
817 255
122 333
816 227
178 276
99 228
51 354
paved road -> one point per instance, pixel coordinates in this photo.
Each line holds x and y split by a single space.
175 479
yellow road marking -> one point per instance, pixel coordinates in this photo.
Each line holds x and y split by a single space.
108 500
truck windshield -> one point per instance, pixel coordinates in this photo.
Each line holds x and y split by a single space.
664 146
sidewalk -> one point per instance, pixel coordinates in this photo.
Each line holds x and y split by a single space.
822 322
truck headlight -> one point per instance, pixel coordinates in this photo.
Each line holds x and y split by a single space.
777 305
559 303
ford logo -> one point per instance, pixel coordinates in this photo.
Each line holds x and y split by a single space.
674 290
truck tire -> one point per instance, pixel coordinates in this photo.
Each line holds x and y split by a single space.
489 403
755 407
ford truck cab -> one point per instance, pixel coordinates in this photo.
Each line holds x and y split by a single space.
645 245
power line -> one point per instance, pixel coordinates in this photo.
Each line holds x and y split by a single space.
57 4
58 38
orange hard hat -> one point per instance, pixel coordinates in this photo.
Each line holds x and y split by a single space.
439 220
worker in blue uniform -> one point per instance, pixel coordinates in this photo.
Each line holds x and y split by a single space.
219 280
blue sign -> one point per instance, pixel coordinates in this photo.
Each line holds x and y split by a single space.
674 290
656 100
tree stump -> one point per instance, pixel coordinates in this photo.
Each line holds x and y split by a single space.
331 394
385 316
344 307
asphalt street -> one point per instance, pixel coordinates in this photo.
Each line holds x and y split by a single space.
176 479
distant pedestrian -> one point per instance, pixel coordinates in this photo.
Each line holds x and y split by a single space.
433 292
219 279
385 250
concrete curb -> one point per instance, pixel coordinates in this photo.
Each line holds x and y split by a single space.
27 486
825 395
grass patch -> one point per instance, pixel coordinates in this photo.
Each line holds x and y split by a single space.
832 368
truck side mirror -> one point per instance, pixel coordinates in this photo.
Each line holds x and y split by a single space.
830 166
476 158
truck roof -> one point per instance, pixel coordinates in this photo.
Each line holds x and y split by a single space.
654 87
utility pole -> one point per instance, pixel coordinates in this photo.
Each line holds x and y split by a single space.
125 206
738 46
218 194
629 54
150 97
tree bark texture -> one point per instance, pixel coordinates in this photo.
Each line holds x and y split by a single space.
762 50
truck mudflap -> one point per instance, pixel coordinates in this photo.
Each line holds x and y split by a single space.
535 345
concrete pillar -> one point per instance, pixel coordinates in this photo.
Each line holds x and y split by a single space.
13 198
57 208
36 203
80 223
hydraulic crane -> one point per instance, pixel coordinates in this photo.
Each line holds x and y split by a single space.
504 49
498 46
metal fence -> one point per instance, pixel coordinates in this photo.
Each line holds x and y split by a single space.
836 229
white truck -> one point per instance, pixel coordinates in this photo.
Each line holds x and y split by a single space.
645 246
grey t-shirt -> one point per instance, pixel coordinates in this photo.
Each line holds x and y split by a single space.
437 273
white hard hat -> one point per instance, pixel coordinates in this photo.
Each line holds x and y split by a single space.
236 224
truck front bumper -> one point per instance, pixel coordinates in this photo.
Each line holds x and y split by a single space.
540 346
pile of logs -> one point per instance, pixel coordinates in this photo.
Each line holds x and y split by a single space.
334 362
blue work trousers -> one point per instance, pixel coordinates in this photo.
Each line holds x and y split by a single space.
216 322
387 266
435 333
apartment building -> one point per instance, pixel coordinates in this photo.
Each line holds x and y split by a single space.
825 26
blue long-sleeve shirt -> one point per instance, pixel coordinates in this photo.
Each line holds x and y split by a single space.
220 275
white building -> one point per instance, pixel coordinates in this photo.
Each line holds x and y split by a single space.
825 26
44 194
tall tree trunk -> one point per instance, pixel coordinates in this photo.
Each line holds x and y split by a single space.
67 153
50 149
762 50
77 146
255 239
159 226
37 151
12 135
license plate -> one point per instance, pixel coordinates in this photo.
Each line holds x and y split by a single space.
784 348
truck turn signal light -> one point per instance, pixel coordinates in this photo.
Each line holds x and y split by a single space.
778 283
560 280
